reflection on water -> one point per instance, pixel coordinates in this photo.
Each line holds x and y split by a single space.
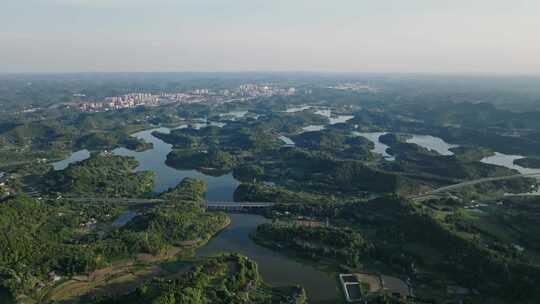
124 218
234 114
219 188
276 269
312 128
379 148
508 161
340 119
286 140
334 119
73 158
297 109
432 143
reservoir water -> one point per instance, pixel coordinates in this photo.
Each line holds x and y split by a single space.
379 148
286 140
73 158
506 160
275 268
443 148
234 114
312 128
297 109
432 143
220 188
124 218
334 119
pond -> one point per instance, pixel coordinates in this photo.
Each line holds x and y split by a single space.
73 158
275 268
432 143
379 148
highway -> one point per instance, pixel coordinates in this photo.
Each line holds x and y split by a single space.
208 204
116 200
470 183
239 205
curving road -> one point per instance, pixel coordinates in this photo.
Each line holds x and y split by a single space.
209 204
471 183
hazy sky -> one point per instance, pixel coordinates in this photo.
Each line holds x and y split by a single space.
457 36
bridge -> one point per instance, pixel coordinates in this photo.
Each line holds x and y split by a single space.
116 200
434 193
237 205
210 205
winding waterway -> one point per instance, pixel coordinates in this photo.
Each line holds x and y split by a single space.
506 160
73 158
379 147
432 143
220 188
275 268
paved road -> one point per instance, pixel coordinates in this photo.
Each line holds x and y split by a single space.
237 205
471 183
117 200
224 205
211 204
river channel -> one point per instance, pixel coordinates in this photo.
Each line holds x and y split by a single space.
276 269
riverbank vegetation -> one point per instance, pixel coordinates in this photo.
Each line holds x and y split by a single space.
485 250
224 279
474 239
48 241
102 175
316 243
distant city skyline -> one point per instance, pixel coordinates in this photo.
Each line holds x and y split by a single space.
359 36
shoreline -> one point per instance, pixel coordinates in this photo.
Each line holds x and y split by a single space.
140 271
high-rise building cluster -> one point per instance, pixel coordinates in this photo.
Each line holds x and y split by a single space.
245 91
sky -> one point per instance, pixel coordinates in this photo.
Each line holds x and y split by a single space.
360 36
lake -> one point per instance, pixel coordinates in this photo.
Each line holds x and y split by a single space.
443 148
73 158
312 128
334 119
124 218
234 114
286 140
297 109
432 143
506 160
220 188
379 148
275 268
